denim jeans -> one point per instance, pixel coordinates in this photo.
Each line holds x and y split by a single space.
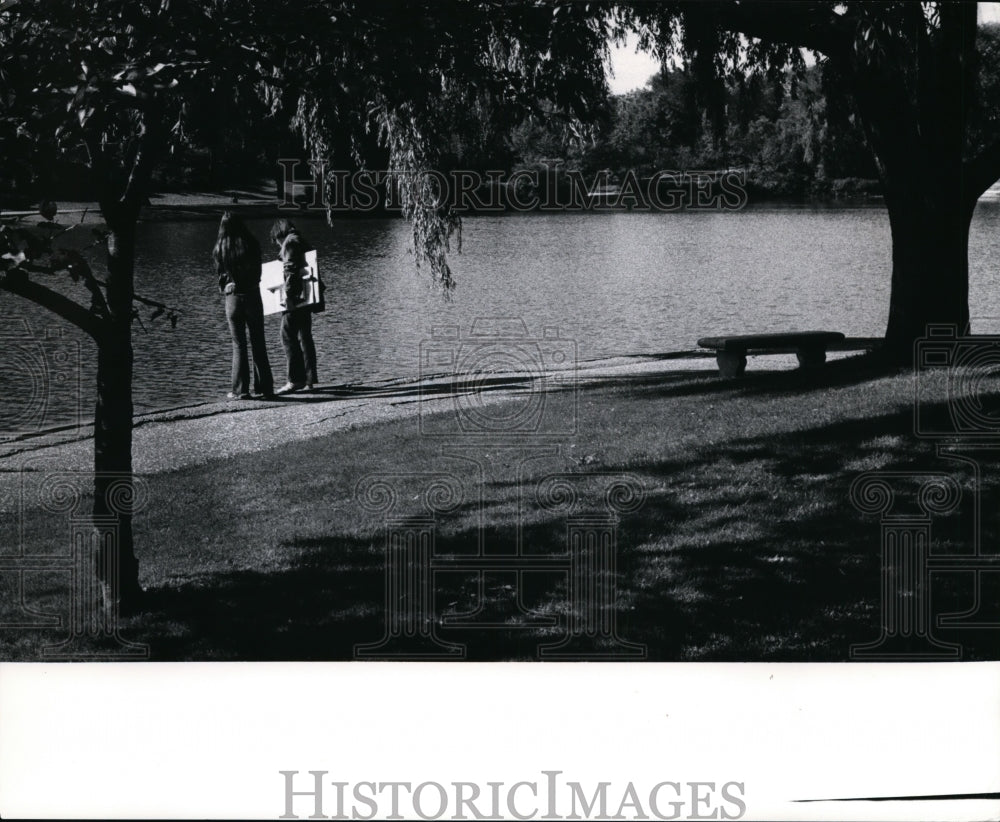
245 311
300 350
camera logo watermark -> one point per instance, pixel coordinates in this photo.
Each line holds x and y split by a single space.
312 795
498 353
85 568
40 383
907 632
411 626
548 188
968 363
966 431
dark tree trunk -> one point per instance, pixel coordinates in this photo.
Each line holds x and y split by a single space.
930 265
113 489
914 111
121 199
918 148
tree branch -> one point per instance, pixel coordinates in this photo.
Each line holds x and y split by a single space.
146 156
146 300
70 310
99 166
806 25
92 284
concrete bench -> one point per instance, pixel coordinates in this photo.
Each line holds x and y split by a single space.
731 351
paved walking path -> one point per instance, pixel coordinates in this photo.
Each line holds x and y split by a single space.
175 438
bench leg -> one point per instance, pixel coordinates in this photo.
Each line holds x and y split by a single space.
811 357
731 363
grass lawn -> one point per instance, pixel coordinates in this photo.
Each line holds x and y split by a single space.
746 546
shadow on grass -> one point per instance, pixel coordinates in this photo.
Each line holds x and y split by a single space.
769 559
746 549
316 610
749 551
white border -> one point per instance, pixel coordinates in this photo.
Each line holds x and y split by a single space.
207 740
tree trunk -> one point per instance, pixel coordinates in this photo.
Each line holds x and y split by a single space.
113 488
915 114
930 265
930 208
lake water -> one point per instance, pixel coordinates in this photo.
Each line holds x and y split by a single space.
613 283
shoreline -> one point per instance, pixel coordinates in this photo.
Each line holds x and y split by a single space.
196 206
199 205
187 435
503 386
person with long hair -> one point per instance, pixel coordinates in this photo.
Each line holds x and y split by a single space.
237 258
296 322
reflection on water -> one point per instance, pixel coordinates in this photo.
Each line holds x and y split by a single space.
616 283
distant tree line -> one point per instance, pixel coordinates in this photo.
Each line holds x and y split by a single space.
791 136
792 132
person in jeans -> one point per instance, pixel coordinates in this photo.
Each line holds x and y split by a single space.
296 323
237 259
